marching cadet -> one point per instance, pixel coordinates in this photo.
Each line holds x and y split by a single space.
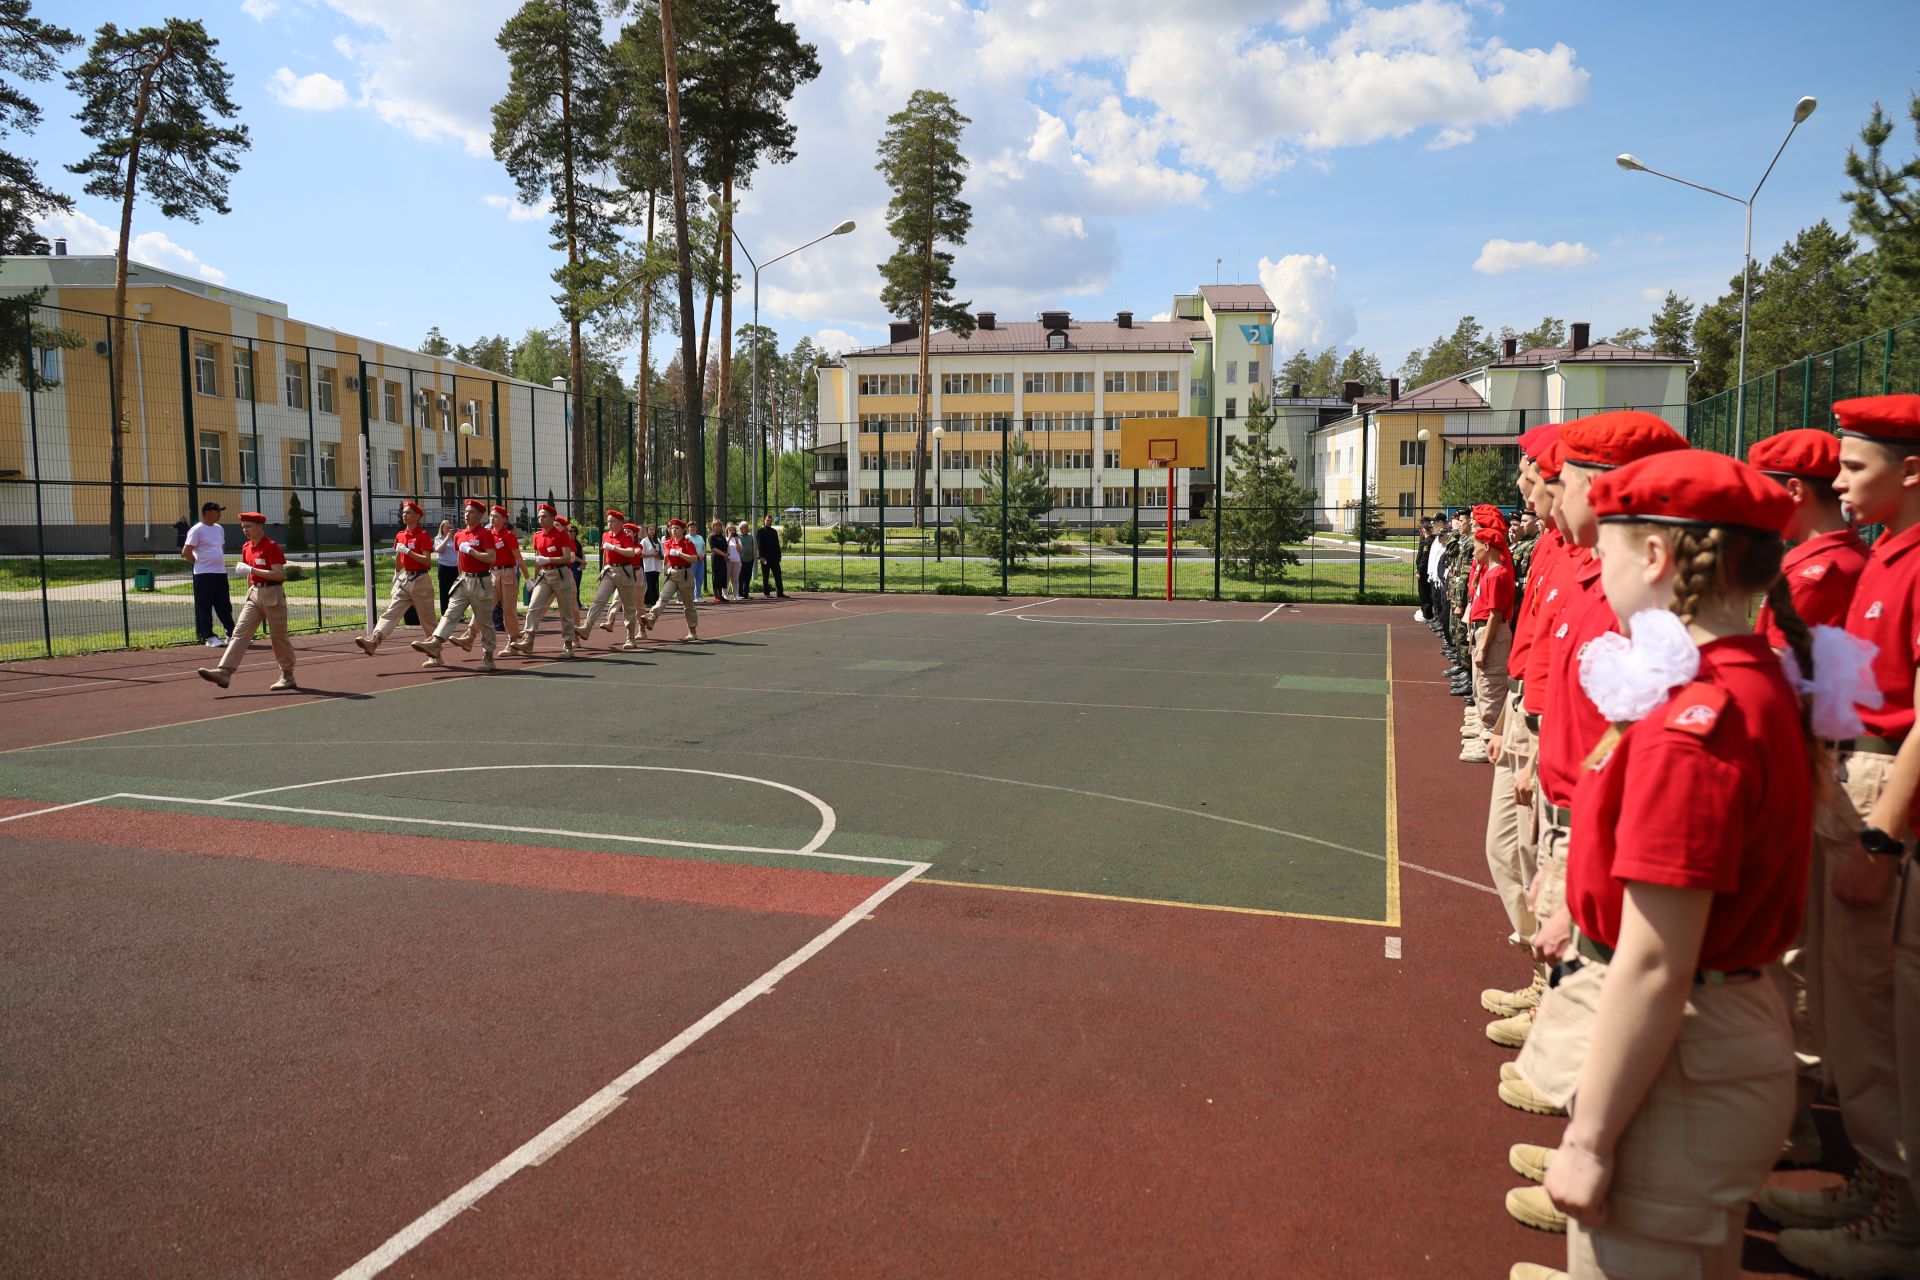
506 580
472 592
680 554
266 601
619 578
412 587
553 584
1868 972
1663 1036
1490 626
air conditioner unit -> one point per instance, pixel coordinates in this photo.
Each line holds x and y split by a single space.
420 398
445 402
473 411
353 382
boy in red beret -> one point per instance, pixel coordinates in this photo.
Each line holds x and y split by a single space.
266 568
472 591
553 584
1490 633
412 587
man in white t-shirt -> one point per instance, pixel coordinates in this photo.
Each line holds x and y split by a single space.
206 549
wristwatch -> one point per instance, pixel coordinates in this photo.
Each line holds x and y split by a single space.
1880 844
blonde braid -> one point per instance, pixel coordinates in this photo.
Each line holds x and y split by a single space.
1698 553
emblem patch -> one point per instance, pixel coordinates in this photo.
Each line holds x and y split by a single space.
1873 610
1815 572
1696 709
1561 634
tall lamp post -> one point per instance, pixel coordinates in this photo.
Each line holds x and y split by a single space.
938 431
1630 162
753 389
1423 435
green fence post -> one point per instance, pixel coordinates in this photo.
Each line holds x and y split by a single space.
1135 533
39 513
186 422
634 492
600 462
1886 366
313 485
1366 421
881 454
499 472
1806 390
1006 453
1219 495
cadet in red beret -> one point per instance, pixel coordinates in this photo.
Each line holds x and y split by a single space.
412 588
553 584
1869 990
265 565
1490 633
619 578
478 551
679 553
506 580
1691 828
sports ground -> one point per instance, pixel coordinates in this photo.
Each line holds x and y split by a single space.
941 936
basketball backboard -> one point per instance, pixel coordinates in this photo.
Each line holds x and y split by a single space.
1147 443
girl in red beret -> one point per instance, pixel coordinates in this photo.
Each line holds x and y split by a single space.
266 568
1686 877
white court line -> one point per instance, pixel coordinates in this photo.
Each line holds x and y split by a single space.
1269 613
77 804
566 1128
1393 948
1091 620
1018 607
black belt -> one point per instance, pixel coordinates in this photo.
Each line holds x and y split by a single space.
1556 815
484 573
1601 953
1866 746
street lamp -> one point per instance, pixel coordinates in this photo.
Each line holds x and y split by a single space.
1632 164
1423 435
938 431
753 392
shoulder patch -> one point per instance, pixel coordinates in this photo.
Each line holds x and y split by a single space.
1696 709
1816 571
1873 610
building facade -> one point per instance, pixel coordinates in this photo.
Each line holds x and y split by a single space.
230 399
1060 382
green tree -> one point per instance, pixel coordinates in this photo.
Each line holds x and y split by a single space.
151 99
1884 209
1450 355
550 131
692 472
1810 296
537 357
920 156
1296 371
1362 366
435 343
1365 512
494 354
30 50
1633 338
1550 332
1480 475
1022 488
1268 511
296 524
1670 331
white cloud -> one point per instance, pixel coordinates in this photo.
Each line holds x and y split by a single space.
1308 311
1449 138
1498 257
259 10
315 92
447 95
1162 315
838 341
517 212
1653 295
84 235
1066 224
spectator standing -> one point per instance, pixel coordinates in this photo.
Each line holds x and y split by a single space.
748 554
205 547
768 540
449 556
650 564
717 560
736 561
700 558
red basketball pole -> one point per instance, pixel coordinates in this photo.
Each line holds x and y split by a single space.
1169 495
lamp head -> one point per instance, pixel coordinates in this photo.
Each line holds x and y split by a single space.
1628 161
847 226
1424 435
1804 108
713 200
938 431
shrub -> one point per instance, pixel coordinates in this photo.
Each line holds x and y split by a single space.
1128 533
790 534
868 538
296 572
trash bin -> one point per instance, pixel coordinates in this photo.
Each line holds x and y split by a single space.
143 579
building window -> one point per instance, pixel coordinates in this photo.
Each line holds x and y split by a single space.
249 461
1233 372
390 402
242 374
1070 459
329 457
1253 373
323 390
1233 407
1056 341
394 459
1199 391
1406 504
1113 459
889 384
1413 453
1072 497
206 374
1059 384
210 458
1126 381
299 464
296 381
424 477
976 384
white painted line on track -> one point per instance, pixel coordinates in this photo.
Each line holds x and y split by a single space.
1018 607
1092 620
58 808
1269 613
570 1125
1393 948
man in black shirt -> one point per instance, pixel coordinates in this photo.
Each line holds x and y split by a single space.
766 540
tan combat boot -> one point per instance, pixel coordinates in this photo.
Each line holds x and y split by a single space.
367 644
430 647
1530 1207
1884 1245
1511 1033
1504 1004
1529 1161
216 675
284 683
1534 1271
1826 1207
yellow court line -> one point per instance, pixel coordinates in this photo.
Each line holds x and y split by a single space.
1156 902
1393 802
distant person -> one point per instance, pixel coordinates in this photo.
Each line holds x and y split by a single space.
204 546
749 553
180 528
449 561
736 560
717 560
650 563
767 541
699 566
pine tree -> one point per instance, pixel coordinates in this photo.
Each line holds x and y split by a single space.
1022 488
550 131
435 343
1450 355
921 158
150 99
1479 475
693 472
1367 520
1268 511
29 51
1362 366
1885 209
296 524
1670 330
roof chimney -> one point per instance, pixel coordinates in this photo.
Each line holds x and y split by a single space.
59 246
902 331
1352 390
1509 348
1054 319
985 320
1393 388
1124 319
1580 335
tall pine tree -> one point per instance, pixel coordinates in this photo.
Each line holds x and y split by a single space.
1267 510
1885 210
29 51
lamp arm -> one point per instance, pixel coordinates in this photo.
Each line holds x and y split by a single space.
1776 160
1695 185
789 253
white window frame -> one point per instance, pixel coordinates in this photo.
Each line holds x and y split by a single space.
390 401
1233 372
295 382
249 460
206 368
243 384
323 390
1233 408
395 460
211 472
299 465
329 466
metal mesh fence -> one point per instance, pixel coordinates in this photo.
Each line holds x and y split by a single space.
1801 394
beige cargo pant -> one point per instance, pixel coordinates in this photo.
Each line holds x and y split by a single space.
266 602
617 582
410 591
1701 1143
506 594
553 589
1511 827
677 583
472 593
1490 676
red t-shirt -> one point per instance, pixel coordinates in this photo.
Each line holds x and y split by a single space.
1712 791
1545 552
551 546
1885 611
471 540
619 548
508 544
418 541
1571 724
1557 591
264 554
1821 574
1493 594
679 552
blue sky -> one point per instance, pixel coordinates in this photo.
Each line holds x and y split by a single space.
1359 159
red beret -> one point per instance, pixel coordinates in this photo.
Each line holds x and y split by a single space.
1805 452
676 521
1693 487
630 528
474 504
1534 443
496 510
614 514
1492 535
561 521
411 505
1486 514
253 517
1617 438
1895 418
548 507
1549 460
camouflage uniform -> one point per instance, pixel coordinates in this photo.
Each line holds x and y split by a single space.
1457 573
1522 551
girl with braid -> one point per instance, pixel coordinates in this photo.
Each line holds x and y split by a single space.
1686 877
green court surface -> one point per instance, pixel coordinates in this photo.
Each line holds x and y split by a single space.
1218 760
